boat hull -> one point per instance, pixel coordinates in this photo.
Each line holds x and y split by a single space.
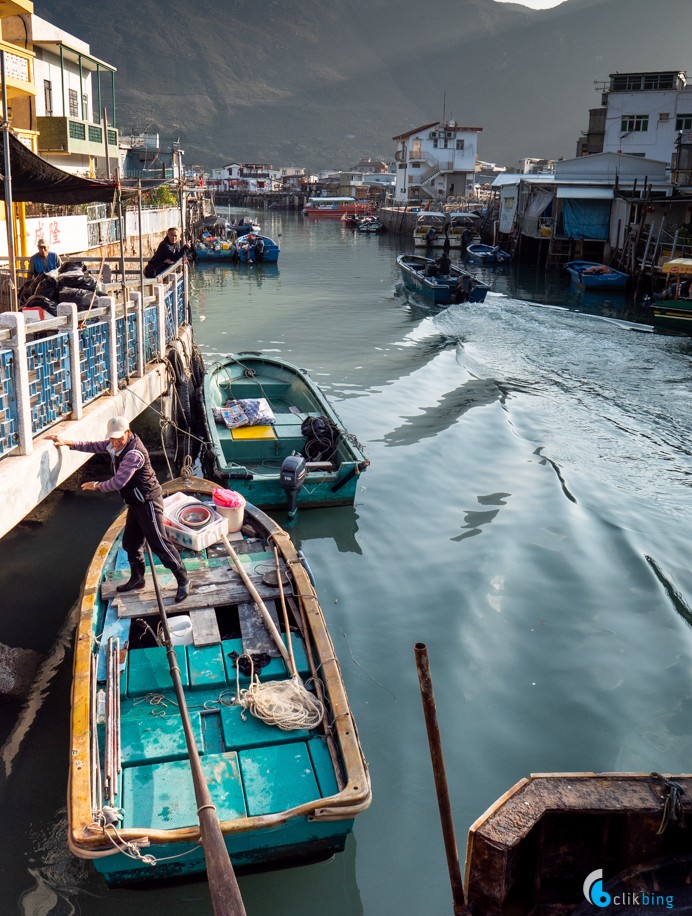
673 315
438 289
534 847
282 797
251 464
487 254
593 276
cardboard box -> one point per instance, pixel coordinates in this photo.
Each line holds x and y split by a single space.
187 537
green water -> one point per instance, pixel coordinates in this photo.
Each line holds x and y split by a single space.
526 515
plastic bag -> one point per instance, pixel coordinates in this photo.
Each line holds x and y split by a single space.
245 412
227 498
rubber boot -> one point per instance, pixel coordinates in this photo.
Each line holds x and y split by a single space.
136 579
183 584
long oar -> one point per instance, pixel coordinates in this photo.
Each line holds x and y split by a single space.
261 606
223 886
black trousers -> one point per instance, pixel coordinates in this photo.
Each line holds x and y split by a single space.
145 522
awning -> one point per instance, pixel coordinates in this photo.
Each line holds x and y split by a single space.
677 266
37 181
585 193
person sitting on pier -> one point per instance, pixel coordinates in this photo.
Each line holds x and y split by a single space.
135 479
169 252
44 260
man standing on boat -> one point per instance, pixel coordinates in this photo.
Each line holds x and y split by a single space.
135 480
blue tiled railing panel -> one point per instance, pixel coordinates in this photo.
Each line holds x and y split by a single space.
93 360
123 371
169 302
50 381
180 291
151 333
8 399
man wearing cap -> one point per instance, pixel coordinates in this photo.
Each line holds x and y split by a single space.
135 480
43 260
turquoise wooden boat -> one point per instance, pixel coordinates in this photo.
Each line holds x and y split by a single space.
262 461
283 797
672 307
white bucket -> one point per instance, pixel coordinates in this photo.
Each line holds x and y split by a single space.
234 514
181 630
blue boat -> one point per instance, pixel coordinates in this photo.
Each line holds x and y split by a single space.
592 275
456 286
249 248
488 254
257 249
285 791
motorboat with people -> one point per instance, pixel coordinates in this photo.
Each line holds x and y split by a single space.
445 286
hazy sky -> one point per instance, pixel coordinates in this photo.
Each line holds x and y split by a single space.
534 4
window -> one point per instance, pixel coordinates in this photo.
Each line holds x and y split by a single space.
460 144
74 103
683 122
48 97
634 123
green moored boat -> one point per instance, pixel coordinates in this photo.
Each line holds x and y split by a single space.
291 451
286 789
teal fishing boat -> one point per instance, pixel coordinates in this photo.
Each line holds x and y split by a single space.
273 436
269 714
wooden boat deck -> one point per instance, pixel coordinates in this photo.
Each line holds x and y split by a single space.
282 796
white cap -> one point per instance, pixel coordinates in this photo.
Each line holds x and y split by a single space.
117 427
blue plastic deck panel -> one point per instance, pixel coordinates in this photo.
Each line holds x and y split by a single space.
162 796
156 736
148 670
277 777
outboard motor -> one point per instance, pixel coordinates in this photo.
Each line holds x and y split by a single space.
292 475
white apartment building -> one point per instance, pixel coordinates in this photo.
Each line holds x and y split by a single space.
436 161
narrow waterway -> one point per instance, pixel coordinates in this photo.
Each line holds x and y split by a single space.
526 515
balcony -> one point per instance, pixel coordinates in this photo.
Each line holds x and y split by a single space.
15 7
18 68
70 135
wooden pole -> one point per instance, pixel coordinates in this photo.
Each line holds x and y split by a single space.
438 765
223 886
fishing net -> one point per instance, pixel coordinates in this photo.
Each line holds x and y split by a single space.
287 704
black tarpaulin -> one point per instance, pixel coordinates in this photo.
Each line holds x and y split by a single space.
36 181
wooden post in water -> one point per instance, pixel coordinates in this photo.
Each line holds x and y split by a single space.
438 765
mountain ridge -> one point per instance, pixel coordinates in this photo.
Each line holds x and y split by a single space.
320 85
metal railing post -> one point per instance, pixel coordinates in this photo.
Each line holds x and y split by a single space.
68 310
109 303
161 312
14 321
139 323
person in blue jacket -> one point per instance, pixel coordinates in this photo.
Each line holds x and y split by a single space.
44 260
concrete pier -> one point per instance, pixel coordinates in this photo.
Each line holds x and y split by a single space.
68 375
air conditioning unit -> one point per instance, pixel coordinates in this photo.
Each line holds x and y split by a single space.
433 135
449 134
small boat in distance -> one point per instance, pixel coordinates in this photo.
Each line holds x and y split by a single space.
334 207
487 254
592 275
419 275
273 436
250 636
369 224
249 248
